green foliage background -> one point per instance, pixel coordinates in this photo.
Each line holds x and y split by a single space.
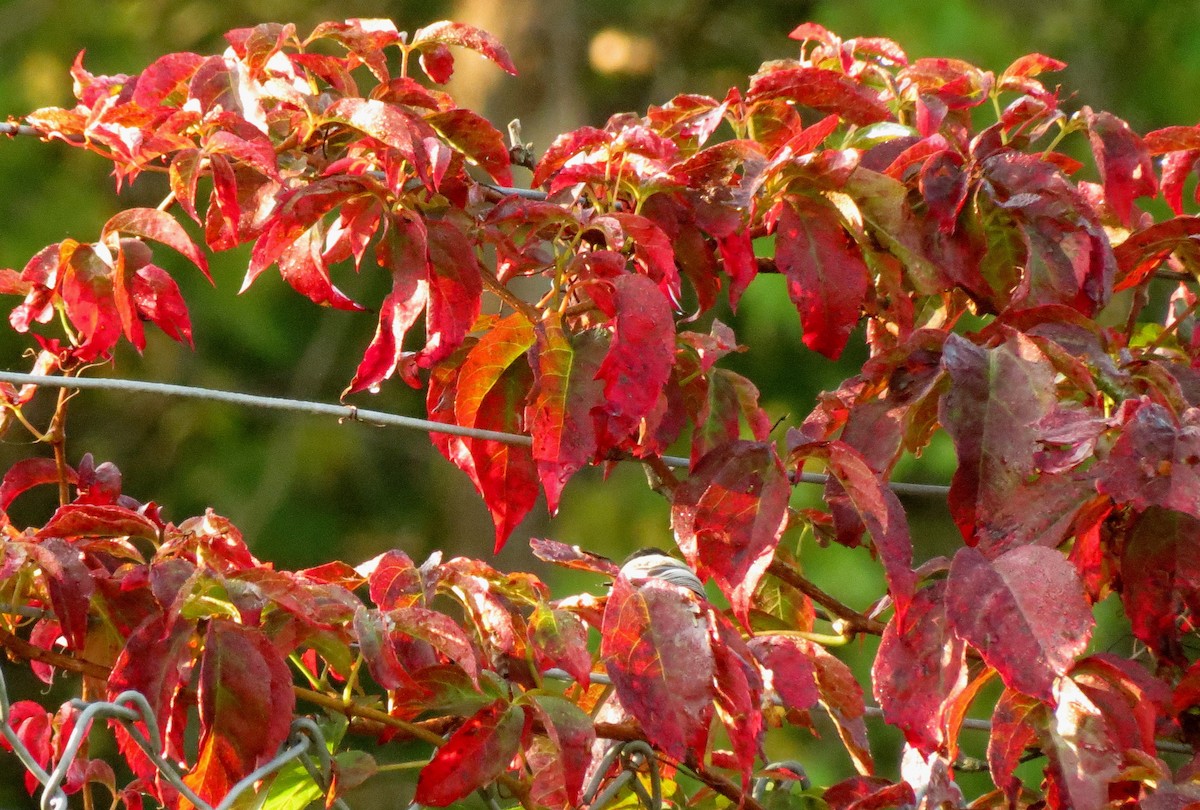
306 490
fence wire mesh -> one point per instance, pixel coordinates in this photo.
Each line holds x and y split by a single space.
306 743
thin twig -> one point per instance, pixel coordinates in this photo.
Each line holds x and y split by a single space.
855 621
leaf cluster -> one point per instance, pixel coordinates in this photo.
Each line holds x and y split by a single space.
1006 299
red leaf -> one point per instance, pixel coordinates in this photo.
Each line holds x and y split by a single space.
651 248
455 291
474 755
571 557
1130 698
739 691
70 585
559 417
27 474
1068 258
827 279
403 251
944 185
996 397
1031 64
393 581
490 394
728 400
572 734
868 793
467 36
246 704
365 38
440 632
1124 163
77 520
565 147
794 663
792 674
296 212
821 89
156 661
655 645
920 668
372 631
1160 570
157 297
389 124
640 357
1145 250
87 290
880 511
1155 462
32 726
438 63
1012 731
1037 619
728 517
157 226
560 640
302 266
474 136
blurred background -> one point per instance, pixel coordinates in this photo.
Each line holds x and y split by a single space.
306 490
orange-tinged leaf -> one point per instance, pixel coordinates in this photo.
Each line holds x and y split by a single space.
246 704
473 756
505 342
474 136
559 639
656 648
505 474
565 390
1013 728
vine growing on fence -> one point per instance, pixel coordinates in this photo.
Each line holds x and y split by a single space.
1009 293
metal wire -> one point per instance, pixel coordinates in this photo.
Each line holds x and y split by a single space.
355 414
305 741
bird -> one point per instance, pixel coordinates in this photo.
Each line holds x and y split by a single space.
653 563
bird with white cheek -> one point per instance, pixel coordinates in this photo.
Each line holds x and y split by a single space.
653 563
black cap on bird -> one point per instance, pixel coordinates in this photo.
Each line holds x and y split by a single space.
653 563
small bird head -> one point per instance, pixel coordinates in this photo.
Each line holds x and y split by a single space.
654 563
